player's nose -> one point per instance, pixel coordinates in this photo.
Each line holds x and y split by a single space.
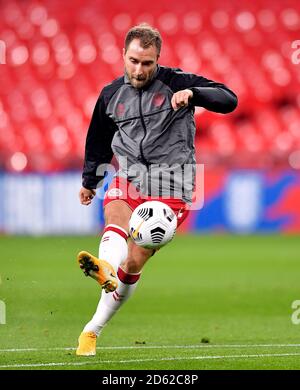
139 70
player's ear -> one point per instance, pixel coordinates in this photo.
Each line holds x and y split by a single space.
123 53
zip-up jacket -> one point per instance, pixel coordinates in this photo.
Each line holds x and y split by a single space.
153 144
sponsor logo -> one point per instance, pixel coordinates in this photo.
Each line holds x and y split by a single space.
135 233
114 192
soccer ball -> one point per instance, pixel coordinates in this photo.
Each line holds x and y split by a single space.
152 224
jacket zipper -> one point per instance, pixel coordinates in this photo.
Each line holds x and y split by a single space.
144 128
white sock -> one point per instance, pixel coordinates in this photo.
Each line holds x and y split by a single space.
110 303
113 248
113 245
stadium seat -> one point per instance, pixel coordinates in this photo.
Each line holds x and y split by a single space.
58 59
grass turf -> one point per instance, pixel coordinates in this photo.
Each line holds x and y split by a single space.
233 291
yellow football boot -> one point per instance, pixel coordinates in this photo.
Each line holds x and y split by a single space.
100 270
87 344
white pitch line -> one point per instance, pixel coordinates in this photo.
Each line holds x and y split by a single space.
155 347
148 360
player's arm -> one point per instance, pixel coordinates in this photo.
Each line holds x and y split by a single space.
97 151
202 92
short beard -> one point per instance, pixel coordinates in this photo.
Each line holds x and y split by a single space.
141 83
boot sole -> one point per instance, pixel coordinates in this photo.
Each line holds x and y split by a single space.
87 264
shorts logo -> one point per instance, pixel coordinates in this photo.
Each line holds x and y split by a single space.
114 192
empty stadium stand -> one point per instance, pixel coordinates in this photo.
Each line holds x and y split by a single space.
58 56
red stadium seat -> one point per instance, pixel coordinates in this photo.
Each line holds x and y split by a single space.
59 56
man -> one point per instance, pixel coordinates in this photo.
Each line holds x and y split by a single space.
145 118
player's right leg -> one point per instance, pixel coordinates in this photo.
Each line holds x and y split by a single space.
128 274
113 250
126 260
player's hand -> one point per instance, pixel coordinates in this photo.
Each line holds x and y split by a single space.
181 98
86 196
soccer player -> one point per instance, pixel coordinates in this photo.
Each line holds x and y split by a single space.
144 118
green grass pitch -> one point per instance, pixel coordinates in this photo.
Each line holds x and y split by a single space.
203 302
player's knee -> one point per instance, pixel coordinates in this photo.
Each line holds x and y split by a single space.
118 214
114 218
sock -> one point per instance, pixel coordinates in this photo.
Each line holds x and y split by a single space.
113 246
110 303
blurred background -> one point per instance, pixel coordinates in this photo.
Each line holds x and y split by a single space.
56 57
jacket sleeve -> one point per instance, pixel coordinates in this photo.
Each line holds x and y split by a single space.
98 145
206 93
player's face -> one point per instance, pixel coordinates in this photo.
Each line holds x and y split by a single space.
140 63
